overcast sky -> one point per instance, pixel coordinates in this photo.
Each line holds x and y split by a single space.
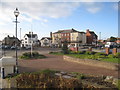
45 17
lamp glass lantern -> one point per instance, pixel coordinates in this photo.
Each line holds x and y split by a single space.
16 12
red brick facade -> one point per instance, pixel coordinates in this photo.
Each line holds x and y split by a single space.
91 37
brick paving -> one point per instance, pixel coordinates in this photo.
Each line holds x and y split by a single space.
56 62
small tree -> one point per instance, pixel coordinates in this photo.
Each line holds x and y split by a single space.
65 47
113 39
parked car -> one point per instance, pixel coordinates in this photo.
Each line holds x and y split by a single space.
2 46
13 47
28 47
7 47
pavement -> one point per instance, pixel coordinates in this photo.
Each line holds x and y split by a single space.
56 62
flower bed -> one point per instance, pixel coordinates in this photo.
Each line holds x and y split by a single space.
34 55
56 79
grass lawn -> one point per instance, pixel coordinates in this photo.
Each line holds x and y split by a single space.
114 60
81 56
84 56
91 55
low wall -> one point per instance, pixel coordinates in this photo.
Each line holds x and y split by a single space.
107 65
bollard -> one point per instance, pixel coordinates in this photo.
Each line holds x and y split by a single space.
76 49
107 50
114 51
2 73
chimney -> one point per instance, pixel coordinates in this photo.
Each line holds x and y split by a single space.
50 34
87 30
29 32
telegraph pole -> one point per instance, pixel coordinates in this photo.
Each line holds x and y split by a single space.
99 35
20 33
31 42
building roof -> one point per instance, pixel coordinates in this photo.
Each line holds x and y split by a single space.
47 38
91 32
10 38
66 31
33 35
81 32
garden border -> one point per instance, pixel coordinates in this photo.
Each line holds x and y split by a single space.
96 63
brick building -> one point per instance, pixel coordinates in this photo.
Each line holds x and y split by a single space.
91 37
72 36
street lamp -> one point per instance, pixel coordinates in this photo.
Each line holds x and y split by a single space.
16 13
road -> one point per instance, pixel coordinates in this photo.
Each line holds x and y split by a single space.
40 50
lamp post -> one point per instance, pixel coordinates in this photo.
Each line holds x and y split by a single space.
16 13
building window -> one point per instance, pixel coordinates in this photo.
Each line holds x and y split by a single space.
25 38
25 42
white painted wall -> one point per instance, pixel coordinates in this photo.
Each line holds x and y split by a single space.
46 41
8 64
27 41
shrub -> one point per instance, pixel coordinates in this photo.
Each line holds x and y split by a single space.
89 52
92 57
65 47
81 52
73 52
69 51
100 53
48 71
118 55
80 76
56 53
50 52
46 81
35 55
111 56
118 84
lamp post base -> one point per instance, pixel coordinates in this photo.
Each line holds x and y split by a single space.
16 69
